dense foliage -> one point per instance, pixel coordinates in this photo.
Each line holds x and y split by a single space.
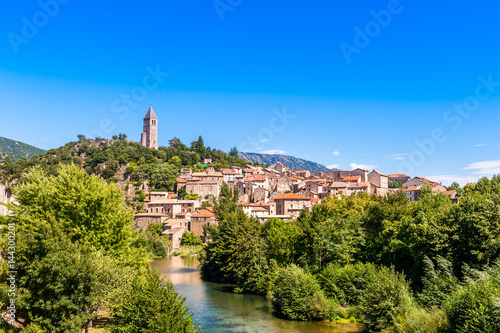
425 266
152 305
76 254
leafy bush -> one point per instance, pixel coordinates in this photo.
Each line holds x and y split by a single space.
154 228
419 320
158 246
347 283
192 196
438 281
297 295
475 307
189 239
386 297
152 305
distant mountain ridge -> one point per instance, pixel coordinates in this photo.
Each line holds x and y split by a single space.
292 162
17 149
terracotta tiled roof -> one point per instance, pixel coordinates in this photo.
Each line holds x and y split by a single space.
202 213
351 178
398 175
412 188
360 185
257 178
450 192
290 196
180 180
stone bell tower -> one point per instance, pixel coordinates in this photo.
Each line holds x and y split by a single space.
149 136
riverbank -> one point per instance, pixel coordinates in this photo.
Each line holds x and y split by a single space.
216 309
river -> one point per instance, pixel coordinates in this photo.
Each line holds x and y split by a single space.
216 309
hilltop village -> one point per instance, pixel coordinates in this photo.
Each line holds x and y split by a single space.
275 191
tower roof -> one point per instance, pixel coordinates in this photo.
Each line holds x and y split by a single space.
150 114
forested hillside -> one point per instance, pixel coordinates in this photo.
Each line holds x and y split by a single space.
17 150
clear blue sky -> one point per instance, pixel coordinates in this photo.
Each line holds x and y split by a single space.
351 98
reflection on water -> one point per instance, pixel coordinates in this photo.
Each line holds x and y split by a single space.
218 310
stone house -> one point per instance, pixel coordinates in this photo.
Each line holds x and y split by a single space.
353 188
284 184
208 175
352 179
303 173
200 218
380 182
172 207
159 196
417 181
413 192
291 204
237 169
360 172
204 187
399 178
338 189
186 173
229 175
260 194
181 183
142 220
258 180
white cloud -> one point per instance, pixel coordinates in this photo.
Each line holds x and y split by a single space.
336 153
263 140
398 156
448 179
273 151
334 166
481 145
484 168
365 154
363 166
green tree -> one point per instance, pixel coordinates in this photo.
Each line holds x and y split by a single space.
181 193
455 186
475 307
386 297
281 238
236 250
297 295
90 210
233 152
189 239
152 305
74 245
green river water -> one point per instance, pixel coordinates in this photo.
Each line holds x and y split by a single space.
216 309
